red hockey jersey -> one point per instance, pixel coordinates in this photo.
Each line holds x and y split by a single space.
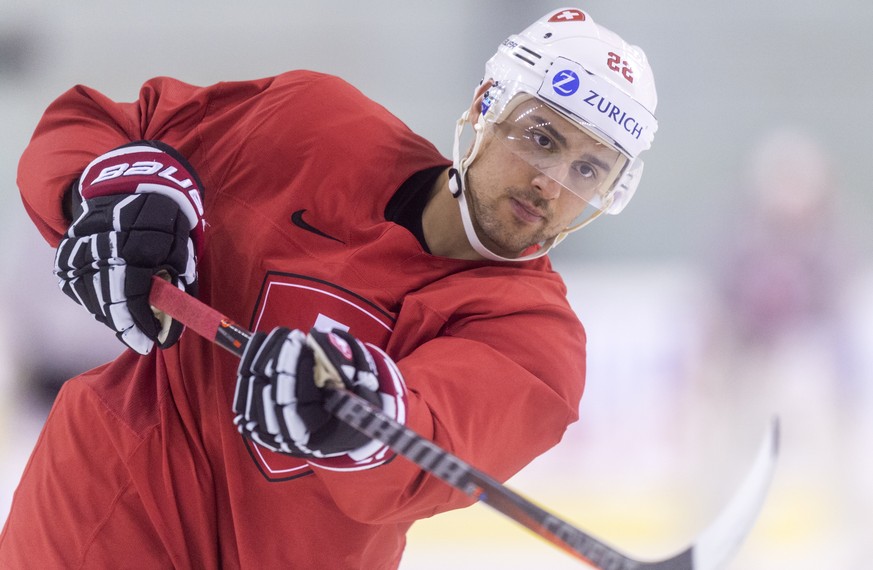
139 464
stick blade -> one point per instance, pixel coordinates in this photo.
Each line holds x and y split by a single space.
718 544
722 539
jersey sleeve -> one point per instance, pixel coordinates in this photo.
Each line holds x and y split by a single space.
497 388
202 123
82 124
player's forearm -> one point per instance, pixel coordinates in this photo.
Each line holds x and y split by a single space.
491 392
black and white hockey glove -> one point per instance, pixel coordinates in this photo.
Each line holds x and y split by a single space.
141 214
280 394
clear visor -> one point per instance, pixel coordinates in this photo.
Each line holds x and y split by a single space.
565 151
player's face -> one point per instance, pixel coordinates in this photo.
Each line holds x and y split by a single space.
534 175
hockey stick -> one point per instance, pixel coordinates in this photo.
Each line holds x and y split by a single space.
712 550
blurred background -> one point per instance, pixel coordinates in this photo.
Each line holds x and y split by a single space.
737 285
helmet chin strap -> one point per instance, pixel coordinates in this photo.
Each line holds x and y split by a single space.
457 178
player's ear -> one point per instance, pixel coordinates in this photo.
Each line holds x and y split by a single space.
476 105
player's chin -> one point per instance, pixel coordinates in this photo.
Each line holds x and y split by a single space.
517 247
513 239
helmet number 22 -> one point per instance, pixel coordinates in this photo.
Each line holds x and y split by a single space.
615 63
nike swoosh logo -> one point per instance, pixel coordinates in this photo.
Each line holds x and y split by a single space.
297 220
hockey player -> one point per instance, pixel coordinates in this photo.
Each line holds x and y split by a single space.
297 206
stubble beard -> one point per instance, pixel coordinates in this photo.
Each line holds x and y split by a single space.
500 231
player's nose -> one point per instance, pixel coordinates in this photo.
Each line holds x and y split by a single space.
546 186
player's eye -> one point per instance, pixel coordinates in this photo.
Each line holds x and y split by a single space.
585 170
542 141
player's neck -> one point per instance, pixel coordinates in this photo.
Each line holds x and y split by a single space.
442 225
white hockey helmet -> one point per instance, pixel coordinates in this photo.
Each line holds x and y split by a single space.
588 75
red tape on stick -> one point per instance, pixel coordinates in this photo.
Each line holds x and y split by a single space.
201 318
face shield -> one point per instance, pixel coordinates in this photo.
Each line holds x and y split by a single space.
566 151
563 150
